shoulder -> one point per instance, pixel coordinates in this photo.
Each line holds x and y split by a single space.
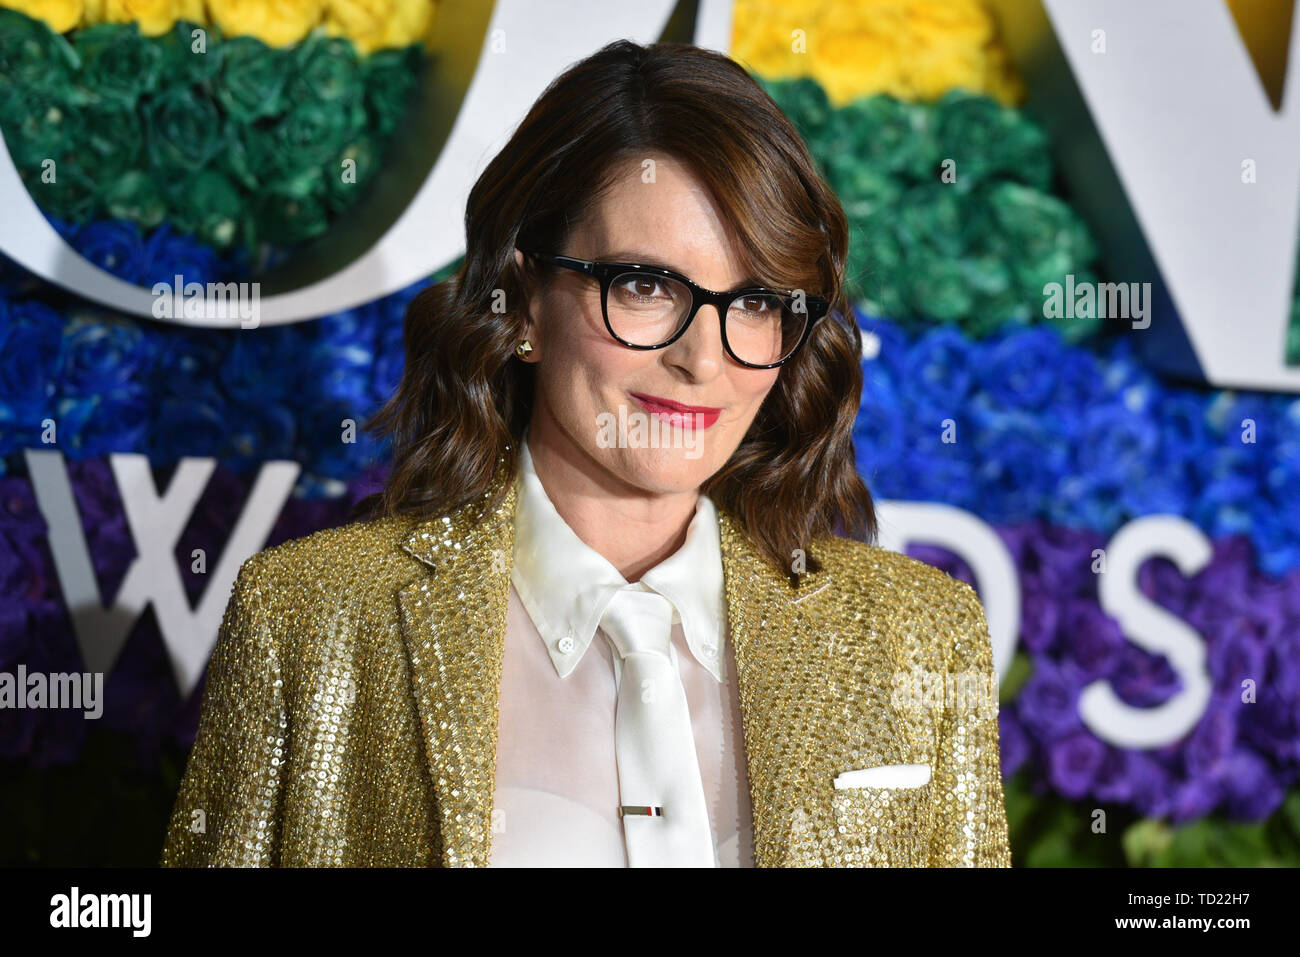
906 596
345 560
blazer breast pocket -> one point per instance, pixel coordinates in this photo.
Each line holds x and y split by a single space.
887 821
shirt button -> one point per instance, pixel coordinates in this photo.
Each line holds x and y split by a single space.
565 644
710 651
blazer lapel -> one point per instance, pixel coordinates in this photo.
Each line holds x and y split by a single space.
454 626
454 622
772 639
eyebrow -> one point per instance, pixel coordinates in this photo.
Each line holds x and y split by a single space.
648 259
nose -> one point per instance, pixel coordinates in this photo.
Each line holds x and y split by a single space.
699 352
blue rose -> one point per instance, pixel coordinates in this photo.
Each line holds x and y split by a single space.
31 361
1019 459
938 373
939 471
114 246
257 432
264 364
114 421
166 255
184 356
339 359
1019 370
320 441
103 352
1116 443
195 423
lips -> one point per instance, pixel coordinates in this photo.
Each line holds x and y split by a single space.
678 413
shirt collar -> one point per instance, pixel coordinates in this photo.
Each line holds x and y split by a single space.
566 585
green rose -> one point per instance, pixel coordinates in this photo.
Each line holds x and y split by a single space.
117 64
33 57
862 191
888 136
289 220
987 139
929 221
184 129
363 154
136 196
327 70
298 146
37 126
252 78
182 64
874 269
1044 238
209 206
806 104
390 79
937 286
109 138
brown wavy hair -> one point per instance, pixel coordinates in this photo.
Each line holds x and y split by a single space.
464 400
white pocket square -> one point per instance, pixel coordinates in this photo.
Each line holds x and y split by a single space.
885 776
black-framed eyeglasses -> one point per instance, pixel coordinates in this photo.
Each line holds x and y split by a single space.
649 307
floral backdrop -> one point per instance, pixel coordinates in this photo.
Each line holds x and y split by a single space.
212 165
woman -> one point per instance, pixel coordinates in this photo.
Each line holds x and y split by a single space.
612 607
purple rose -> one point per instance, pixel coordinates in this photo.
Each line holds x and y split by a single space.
1208 745
1091 638
1049 701
1040 616
1114 779
1013 743
1234 657
1193 799
1062 561
1152 785
1252 791
1073 762
1143 679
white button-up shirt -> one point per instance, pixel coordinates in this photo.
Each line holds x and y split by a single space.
557 795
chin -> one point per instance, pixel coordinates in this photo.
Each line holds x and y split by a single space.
664 470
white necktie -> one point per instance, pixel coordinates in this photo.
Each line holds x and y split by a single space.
665 815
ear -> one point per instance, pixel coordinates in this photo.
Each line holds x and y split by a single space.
530 327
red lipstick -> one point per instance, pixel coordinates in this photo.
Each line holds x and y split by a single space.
678 413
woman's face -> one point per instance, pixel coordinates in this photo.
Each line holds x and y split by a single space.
588 385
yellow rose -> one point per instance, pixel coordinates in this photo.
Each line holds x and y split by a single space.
763 35
377 24
911 49
59 15
153 16
277 23
949 23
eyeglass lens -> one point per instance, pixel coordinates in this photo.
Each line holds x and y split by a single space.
649 310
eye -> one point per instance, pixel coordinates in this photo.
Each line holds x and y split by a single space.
643 287
757 306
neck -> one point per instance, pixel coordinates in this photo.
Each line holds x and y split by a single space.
632 528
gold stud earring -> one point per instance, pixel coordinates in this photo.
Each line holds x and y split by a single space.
523 348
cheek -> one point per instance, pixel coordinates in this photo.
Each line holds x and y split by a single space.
587 376
753 387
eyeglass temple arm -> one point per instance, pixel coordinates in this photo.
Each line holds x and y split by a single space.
568 262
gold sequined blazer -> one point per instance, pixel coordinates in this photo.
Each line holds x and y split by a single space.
350 711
